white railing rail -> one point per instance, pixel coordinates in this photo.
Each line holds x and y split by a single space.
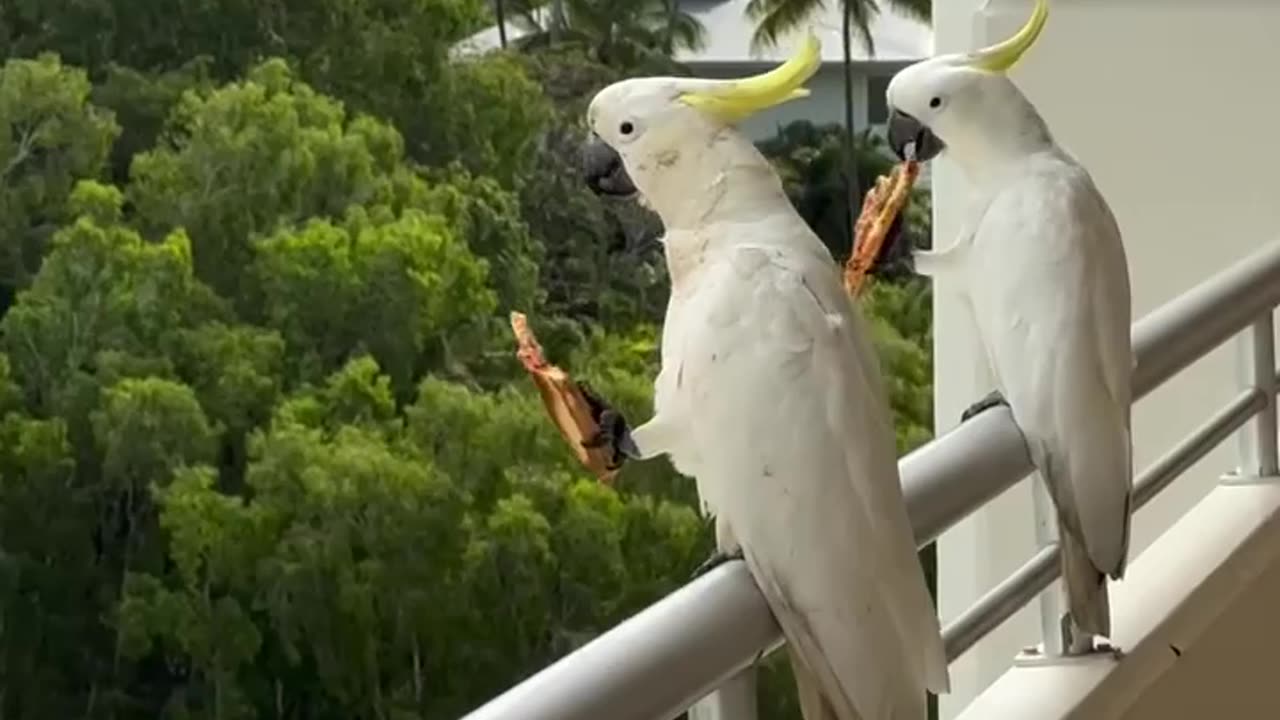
661 661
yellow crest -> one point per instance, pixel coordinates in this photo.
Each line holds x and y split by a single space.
1002 56
734 100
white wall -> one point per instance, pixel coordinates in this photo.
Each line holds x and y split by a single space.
1160 100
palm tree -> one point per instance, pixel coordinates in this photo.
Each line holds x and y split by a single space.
500 15
618 31
775 17
557 19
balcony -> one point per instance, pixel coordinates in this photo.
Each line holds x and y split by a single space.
709 633
1193 614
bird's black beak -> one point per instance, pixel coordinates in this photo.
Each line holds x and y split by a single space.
603 170
912 141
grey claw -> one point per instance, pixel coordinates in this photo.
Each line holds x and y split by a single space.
613 433
991 400
717 559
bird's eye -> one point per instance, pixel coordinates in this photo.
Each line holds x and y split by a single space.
626 128
935 102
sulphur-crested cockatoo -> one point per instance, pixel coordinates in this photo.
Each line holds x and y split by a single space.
769 392
1041 263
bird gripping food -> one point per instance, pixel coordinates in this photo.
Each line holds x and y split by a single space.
1041 265
769 393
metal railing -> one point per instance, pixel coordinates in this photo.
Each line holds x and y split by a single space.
661 661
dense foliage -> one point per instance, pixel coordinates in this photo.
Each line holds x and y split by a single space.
264 448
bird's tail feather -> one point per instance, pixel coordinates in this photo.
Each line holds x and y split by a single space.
1086 588
813 704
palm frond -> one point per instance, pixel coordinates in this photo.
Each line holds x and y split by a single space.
921 10
524 15
861 12
688 32
776 17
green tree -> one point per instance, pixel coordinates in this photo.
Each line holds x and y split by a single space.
49 639
246 160
141 102
484 114
395 587
488 217
336 46
265 450
603 262
102 304
50 137
85 339
237 373
394 286
240 160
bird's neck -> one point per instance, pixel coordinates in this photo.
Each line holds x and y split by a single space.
721 180
988 155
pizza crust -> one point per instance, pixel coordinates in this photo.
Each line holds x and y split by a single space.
882 205
564 399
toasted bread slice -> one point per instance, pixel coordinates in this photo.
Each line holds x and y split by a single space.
564 399
882 205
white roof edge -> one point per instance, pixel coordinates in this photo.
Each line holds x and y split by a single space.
897 38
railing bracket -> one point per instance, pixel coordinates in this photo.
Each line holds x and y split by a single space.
1034 656
1247 480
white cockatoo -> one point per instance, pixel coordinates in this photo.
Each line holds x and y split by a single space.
1042 266
769 393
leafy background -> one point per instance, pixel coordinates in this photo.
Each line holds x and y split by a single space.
265 451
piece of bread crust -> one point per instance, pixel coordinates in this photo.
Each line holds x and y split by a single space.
880 208
564 400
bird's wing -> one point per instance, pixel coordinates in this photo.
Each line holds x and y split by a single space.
1056 323
1112 317
799 458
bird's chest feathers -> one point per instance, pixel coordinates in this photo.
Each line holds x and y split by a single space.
704 319
1018 240
686 252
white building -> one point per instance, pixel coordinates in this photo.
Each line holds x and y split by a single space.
727 52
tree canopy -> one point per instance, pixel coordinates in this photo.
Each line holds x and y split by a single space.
265 450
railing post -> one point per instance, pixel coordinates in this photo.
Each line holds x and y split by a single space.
1257 369
734 700
1046 520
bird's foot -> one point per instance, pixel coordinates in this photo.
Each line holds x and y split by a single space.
614 433
717 559
1074 642
1077 642
991 400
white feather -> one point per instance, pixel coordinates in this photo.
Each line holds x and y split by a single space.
1050 289
1044 267
770 396
798 459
